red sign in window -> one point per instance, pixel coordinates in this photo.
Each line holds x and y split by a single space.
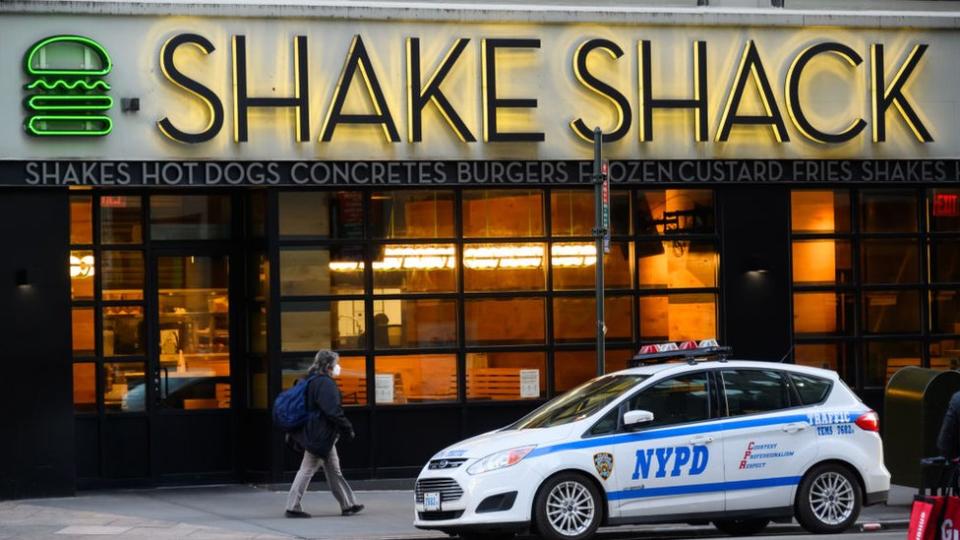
113 202
946 205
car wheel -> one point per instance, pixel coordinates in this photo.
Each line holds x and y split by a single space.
828 500
568 507
741 527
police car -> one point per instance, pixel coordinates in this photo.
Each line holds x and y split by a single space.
738 443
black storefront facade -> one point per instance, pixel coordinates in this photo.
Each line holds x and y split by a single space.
159 297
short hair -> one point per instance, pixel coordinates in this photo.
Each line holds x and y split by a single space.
324 360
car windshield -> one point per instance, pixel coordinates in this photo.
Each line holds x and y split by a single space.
579 403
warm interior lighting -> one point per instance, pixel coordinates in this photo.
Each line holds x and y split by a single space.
81 267
484 257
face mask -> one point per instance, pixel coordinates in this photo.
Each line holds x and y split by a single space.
336 370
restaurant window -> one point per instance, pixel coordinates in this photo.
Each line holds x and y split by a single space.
504 267
85 387
412 214
888 211
884 358
574 265
415 378
321 215
834 355
677 264
81 219
83 331
675 211
945 260
506 376
945 353
189 217
505 321
322 324
820 212
125 387
822 262
575 318
82 272
945 311
944 210
321 270
824 313
415 268
120 219
414 323
491 213
677 317
121 275
572 212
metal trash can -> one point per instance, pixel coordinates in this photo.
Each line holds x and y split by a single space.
914 404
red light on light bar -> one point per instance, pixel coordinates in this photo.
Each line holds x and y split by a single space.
648 349
946 205
688 345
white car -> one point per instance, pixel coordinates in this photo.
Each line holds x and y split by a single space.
738 443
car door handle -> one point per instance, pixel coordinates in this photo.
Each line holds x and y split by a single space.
703 439
795 427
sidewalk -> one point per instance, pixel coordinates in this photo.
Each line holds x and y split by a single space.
247 513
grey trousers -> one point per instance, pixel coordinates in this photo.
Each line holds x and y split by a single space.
331 468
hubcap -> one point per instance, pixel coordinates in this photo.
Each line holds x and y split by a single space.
832 498
570 508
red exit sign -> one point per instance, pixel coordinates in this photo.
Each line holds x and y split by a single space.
946 205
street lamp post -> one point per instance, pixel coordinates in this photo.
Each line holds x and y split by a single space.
601 235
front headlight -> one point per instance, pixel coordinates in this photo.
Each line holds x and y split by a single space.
499 460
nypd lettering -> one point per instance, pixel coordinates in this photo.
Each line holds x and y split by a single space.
674 461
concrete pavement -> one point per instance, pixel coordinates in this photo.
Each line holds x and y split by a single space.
237 512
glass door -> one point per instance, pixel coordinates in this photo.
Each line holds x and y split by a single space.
193 332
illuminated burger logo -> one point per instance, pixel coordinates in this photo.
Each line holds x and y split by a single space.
69 93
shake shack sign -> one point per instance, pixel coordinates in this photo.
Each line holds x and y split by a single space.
246 90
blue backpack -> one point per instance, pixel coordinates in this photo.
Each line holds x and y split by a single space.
290 409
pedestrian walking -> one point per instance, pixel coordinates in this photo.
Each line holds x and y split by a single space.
318 437
948 442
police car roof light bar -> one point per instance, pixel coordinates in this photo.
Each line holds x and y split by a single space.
691 351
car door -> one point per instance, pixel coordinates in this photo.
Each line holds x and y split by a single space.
672 465
768 441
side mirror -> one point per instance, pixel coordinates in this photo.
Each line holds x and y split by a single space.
633 419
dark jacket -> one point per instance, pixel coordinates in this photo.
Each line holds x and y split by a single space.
949 440
327 421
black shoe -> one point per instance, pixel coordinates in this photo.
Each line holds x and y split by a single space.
352 510
296 514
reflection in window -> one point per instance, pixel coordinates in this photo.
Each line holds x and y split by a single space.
194 332
81 219
945 305
678 400
321 271
678 317
823 313
121 275
124 387
504 267
753 391
504 321
257 383
572 212
415 268
414 323
85 387
822 262
415 378
506 375
884 358
310 326
412 214
945 354
352 380
257 331
575 318
675 211
574 265
891 312
834 356
888 211
677 264
492 213
890 261
123 331
189 217
946 261
83 332
314 214
259 276
120 221
820 211
82 271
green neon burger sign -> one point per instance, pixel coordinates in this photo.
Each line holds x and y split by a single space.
69 99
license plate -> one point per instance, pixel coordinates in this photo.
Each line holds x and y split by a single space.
431 501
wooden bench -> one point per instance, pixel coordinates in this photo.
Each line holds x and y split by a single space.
493 383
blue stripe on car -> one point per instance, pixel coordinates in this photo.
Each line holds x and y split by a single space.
706 427
703 488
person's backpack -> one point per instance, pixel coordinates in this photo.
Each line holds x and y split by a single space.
290 410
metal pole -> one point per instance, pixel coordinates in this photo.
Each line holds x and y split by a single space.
598 234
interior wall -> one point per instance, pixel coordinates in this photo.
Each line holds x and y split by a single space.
36 411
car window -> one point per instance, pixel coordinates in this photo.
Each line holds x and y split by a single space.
580 402
610 423
752 391
677 400
812 389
